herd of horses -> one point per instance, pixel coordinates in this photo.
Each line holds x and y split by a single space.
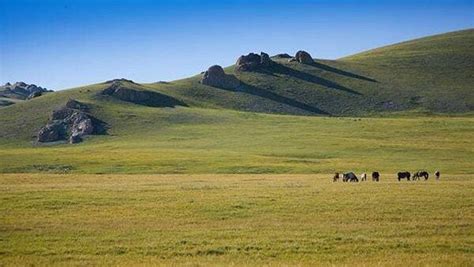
351 177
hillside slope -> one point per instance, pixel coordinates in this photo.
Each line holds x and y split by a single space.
434 74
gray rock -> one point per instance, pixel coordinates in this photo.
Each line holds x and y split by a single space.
34 95
62 113
120 80
81 126
53 131
283 56
265 60
70 123
74 104
252 62
133 94
216 77
21 90
304 57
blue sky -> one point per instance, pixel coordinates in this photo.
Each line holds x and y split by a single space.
67 43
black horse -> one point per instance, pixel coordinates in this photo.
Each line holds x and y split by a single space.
375 176
403 175
349 177
419 174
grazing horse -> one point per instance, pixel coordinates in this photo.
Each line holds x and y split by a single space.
349 177
403 175
336 177
375 176
363 177
424 174
419 174
437 174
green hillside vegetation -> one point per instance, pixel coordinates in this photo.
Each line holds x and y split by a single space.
209 133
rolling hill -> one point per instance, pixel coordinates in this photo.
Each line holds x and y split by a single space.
429 75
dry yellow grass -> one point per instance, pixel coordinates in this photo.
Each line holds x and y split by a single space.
48 219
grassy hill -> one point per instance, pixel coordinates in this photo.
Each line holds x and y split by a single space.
433 74
210 133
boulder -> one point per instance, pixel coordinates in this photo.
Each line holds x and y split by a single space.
216 77
127 94
34 95
133 94
81 126
120 80
74 104
61 113
53 131
70 122
252 62
304 57
265 60
283 56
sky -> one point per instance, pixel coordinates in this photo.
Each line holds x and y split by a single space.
62 44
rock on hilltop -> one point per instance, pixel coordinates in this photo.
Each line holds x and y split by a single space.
216 77
21 90
252 62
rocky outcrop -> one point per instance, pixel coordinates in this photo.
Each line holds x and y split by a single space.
304 57
21 90
283 56
70 123
34 95
120 80
216 77
265 60
74 104
133 94
253 62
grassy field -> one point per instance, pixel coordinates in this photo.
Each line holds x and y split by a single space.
190 140
238 220
243 177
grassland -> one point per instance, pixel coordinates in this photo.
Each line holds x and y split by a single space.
48 219
188 140
240 177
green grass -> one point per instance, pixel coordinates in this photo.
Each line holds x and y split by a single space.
253 188
189 140
238 220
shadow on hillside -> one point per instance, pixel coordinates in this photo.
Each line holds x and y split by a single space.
277 68
341 72
253 90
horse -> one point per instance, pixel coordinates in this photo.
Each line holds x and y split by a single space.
375 176
403 175
349 177
419 174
